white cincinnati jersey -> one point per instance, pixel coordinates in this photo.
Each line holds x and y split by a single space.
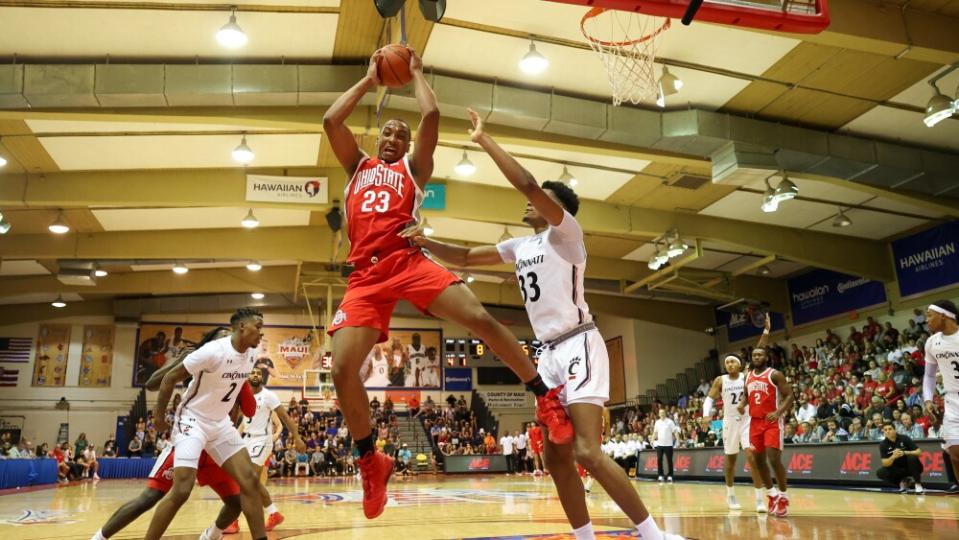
380 369
262 422
943 351
550 268
732 394
417 362
218 373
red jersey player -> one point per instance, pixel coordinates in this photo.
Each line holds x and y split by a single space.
383 198
535 436
769 398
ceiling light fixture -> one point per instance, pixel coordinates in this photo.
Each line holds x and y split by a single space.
669 84
567 178
254 266
230 35
842 220
465 167
179 268
660 99
243 154
506 234
770 204
764 270
938 109
98 271
4 224
250 221
786 190
59 302
257 295
427 228
59 226
467 277
533 63
677 247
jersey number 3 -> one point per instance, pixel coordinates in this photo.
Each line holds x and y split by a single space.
533 294
375 200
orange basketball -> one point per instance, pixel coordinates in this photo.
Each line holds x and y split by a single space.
393 67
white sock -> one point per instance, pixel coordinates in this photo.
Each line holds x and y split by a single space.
783 494
99 535
585 532
589 482
272 509
759 494
730 491
214 532
648 530
773 492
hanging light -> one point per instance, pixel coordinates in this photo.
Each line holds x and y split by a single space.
257 296
506 235
59 226
770 204
660 99
938 109
467 277
842 220
669 84
653 263
764 270
98 271
243 154
465 167
179 268
677 247
250 221
786 190
2 161
254 266
427 228
230 35
59 302
568 178
533 62
4 225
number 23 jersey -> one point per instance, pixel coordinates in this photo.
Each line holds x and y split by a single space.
218 372
549 270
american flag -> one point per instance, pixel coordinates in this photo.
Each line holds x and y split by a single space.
8 377
15 349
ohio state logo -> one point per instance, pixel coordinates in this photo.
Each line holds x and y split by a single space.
339 318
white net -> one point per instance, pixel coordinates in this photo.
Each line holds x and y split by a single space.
626 42
318 385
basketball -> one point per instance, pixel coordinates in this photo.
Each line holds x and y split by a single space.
393 67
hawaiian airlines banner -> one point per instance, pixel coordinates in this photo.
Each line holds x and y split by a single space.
928 260
821 294
740 327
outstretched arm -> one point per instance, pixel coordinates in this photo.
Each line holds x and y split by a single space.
428 132
452 253
334 121
521 179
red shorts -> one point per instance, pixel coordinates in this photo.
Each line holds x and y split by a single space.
373 290
764 434
536 447
580 470
208 473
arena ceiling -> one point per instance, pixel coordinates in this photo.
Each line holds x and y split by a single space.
123 115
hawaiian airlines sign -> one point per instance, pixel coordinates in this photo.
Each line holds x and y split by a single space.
287 189
928 260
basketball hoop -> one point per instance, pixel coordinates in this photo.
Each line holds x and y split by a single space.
628 60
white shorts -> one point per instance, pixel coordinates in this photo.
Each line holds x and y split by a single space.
259 447
192 435
950 421
582 364
735 435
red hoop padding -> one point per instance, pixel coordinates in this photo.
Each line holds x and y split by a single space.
734 15
595 12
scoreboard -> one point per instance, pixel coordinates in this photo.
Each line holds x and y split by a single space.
460 351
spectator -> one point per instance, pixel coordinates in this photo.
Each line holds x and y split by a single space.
787 436
135 448
856 430
900 460
414 407
110 448
703 387
288 467
506 445
374 404
807 435
302 464
520 442
318 462
404 460
80 445
665 431
90 464
451 400
806 409
908 428
43 451
59 453
149 445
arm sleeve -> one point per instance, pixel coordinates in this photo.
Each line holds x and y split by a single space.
200 359
567 239
929 379
247 400
707 407
507 250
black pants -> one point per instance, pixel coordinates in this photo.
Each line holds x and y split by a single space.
903 467
510 463
951 474
666 451
520 460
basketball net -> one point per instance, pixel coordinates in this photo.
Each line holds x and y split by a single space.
626 43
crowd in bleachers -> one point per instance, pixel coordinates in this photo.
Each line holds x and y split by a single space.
845 388
454 429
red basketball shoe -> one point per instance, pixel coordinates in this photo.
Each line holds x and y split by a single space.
274 520
232 528
782 507
376 469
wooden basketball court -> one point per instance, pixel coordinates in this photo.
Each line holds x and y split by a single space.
489 507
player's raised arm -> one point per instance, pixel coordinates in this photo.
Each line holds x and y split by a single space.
521 179
764 338
428 132
341 139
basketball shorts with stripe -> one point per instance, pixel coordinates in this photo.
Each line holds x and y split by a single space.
735 434
581 363
192 435
260 447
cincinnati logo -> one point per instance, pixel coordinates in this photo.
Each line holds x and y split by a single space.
858 463
800 462
572 367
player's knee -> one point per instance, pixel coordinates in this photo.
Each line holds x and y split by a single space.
232 503
249 485
180 492
588 456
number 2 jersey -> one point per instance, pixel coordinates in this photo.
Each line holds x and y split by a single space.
382 199
549 269
218 372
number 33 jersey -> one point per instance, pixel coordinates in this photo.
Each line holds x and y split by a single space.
382 199
218 373
549 272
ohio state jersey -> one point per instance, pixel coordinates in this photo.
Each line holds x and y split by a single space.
382 199
763 393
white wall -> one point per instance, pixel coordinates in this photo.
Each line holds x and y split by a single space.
664 351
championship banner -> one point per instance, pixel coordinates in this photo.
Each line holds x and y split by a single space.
928 260
853 463
507 399
53 349
96 361
821 294
287 189
459 379
742 327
